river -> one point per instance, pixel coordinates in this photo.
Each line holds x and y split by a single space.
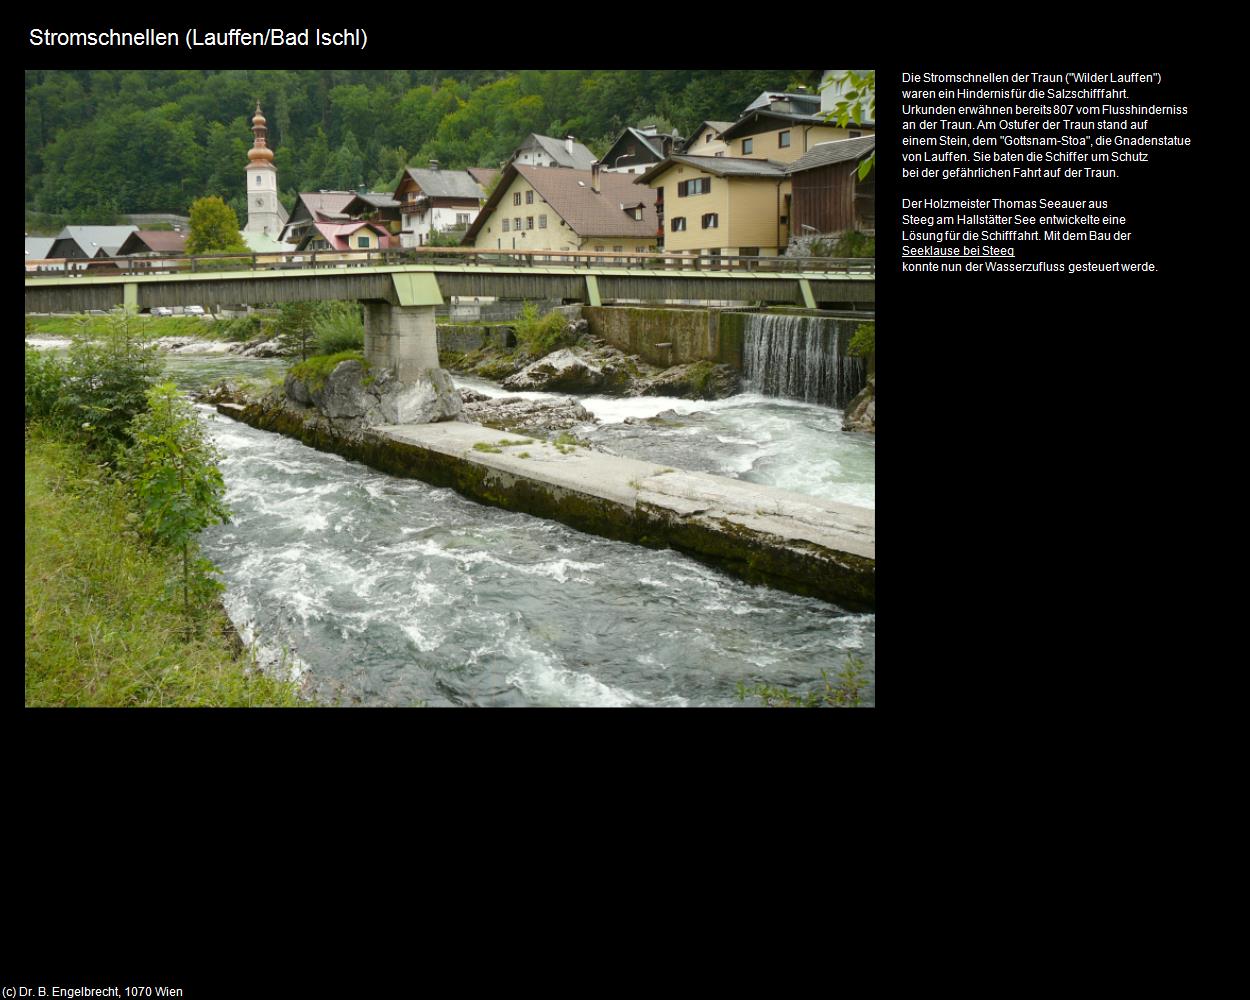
377 590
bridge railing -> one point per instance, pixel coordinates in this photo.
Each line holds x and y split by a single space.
113 267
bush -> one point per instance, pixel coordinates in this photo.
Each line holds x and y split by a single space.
339 326
538 335
855 244
106 382
864 342
45 381
175 475
238 330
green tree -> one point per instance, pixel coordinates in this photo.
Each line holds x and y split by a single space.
107 376
295 329
857 101
180 488
214 228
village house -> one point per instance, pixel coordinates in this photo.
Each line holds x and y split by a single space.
434 200
544 151
312 207
783 126
152 243
86 242
38 248
549 208
638 149
352 235
707 140
375 206
721 205
828 198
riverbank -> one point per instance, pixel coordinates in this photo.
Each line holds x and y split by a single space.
101 626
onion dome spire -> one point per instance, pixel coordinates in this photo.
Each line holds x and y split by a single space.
260 151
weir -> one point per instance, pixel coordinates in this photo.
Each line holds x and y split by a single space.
802 357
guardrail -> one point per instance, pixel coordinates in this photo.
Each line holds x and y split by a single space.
112 267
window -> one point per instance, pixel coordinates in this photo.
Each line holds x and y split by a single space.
708 137
462 218
516 198
599 249
711 220
529 197
679 224
529 222
362 241
852 135
749 252
258 178
505 225
747 145
783 139
617 249
542 222
640 249
700 185
516 223
638 214
721 153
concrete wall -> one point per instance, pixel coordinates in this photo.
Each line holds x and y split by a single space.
695 334
472 338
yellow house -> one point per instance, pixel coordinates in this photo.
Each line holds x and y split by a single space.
707 140
721 205
767 134
559 208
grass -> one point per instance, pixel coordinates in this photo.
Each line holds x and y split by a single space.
844 690
102 626
317 369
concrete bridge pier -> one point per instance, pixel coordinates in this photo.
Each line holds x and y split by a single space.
401 338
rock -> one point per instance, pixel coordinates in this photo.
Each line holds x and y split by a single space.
560 371
430 399
258 349
469 396
861 413
351 398
342 395
297 390
701 380
527 416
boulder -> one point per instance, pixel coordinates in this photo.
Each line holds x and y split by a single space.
342 395
527 416
430 399
560 371
861 412
352 398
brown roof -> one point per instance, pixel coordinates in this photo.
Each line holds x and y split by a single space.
569 194
154 240
484 175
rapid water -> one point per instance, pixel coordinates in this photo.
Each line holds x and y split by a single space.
802 357
776 442
390 591
384 591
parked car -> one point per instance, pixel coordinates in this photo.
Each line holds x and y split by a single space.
194 310
162 311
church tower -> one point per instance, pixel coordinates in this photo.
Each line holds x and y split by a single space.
264 211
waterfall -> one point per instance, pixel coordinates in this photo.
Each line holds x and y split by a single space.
802 357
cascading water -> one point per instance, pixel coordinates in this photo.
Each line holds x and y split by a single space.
798 357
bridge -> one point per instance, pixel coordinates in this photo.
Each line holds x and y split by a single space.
400 287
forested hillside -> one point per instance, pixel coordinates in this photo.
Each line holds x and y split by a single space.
103 142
